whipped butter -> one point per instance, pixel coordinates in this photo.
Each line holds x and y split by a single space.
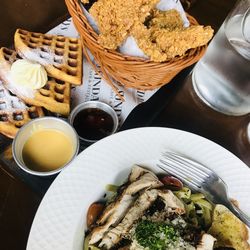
28 74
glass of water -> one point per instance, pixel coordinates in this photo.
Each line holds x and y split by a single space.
222 77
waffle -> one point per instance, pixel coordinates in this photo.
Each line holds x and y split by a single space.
54 96
14 113
61 56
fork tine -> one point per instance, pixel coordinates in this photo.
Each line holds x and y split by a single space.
215 189
185 159
189 184
187 167
169 169
178 171
183 170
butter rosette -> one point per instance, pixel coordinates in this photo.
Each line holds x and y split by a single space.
28 74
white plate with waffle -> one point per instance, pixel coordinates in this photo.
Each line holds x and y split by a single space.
60 221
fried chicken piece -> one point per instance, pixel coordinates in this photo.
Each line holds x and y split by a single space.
159 34
143 39
170 19
176 42
116 17
164 44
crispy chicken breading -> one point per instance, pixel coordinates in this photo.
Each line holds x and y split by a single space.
163 44
166 40
170 19
176 42
115 18
159 34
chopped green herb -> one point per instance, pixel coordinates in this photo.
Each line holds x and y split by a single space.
155 235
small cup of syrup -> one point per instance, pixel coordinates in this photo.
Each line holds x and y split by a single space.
93 121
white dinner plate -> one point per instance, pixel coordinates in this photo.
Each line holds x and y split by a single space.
60 220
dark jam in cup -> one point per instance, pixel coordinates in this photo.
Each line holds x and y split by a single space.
93 124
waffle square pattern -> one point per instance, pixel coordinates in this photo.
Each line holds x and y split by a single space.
61 56
54 96
14 113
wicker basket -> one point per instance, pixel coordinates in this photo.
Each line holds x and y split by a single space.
131 72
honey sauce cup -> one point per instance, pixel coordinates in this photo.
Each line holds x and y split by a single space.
45 146
93 120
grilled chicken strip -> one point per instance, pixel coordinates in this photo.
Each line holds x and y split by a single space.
136 172
144 201
136 211
139 179
118 212
171 201
146 181
115 211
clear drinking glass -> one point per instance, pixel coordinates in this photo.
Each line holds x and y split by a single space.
248 132
222 77
242 140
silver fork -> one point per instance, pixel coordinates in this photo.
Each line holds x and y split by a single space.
201 179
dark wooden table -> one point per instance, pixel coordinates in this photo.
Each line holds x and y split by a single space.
175 105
